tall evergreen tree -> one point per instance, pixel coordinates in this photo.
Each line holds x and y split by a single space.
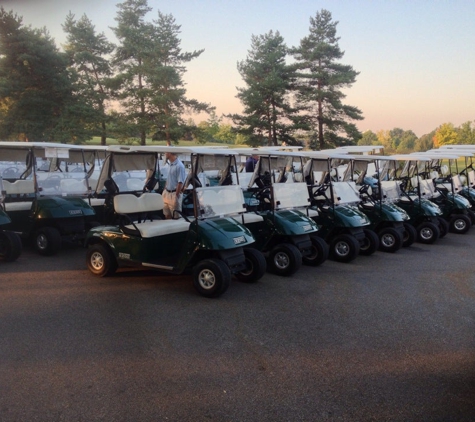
35 88
88 54
268 114
132 58
151 67
321 78
168 93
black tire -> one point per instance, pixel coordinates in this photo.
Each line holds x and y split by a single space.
471 214
344 248
427 232
100 260
285 259
409 236
10 246
390 240
460 224
319 252
256 266
211 277
370 244
443 227
47 241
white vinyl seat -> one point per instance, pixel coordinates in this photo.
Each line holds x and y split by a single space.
148 202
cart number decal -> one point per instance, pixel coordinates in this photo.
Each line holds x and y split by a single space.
74 212
238 240
307 227
123 255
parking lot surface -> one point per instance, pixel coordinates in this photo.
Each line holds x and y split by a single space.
389 337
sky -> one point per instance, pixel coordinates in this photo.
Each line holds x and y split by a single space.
415 58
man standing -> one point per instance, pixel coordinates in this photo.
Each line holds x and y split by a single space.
251 163
173 192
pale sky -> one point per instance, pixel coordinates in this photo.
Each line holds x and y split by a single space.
416 58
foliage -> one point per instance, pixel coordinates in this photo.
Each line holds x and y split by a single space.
368 138
88 58
446 134
35 87
268 116
150 67
320 81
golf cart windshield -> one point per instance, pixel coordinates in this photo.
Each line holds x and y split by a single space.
220 201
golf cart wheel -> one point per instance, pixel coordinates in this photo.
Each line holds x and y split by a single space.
370 244
10 246
319 252
256 266
460 224
101 261
471 214
443 227
211 277
344 248
409 236
427 232
285 259
390 240
47 241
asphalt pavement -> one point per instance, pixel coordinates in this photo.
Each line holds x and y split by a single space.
389 337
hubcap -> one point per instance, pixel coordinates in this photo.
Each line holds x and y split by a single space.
342 248
97 261
281 260
388 240
459 224
426 233
42 242
207 279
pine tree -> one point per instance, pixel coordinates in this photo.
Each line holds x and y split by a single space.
35 88
268 115
320 80
88 54
151 66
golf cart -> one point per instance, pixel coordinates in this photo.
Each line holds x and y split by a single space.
211 245
425 216
10 242
378 202
285 233
443 185
343 226
45 188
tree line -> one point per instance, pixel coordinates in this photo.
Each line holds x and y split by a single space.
403 141
134 90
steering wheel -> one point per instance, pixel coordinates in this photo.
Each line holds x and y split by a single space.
11 173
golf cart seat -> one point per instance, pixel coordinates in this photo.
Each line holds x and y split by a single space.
15 192
19 187
127 204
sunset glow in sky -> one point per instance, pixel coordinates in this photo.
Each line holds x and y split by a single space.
416 58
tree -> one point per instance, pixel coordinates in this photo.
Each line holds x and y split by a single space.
88 54
168 97
320 81
132 58
369 138
268 115
35 89
151 67
446 134
466 134
425 142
